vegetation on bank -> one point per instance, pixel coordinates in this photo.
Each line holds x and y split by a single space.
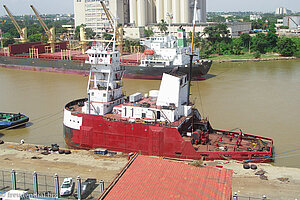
219 43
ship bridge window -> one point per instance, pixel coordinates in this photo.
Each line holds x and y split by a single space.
158 115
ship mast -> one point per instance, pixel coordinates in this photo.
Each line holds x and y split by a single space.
192 55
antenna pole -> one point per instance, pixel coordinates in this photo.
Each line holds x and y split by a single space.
192 54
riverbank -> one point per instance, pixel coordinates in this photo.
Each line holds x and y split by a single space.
248 58
280 182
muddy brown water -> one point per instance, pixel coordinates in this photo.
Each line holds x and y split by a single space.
261 98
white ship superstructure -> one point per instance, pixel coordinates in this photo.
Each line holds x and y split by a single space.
105 81
167 51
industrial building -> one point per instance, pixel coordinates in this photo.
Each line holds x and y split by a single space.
282 11
91 13
145 12
137 13
293 22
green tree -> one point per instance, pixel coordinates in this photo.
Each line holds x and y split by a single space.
107 36
35 37
246 38
237 46
205 48
272 40
217 33
260 43
8 39
148 32
162 26
259 24
286 46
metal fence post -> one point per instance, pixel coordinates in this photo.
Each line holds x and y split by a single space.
24 181
35 184
101 186
46 183
13 179
3 178
78 188
56 182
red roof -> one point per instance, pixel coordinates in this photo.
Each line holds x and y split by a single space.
155 178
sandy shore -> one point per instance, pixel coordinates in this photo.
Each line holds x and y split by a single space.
78 163
282 183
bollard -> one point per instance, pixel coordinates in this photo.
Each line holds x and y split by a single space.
101 186
56 182
235 196
35 184
78 188
13 179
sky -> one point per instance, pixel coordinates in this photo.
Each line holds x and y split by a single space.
20 7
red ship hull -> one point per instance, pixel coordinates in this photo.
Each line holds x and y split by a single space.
149 139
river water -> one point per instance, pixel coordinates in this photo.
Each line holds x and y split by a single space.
261 98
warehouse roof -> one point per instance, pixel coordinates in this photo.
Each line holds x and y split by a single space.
155 178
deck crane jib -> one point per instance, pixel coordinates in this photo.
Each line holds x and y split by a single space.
50 32
22 31
119 30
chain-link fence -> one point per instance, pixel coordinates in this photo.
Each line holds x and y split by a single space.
46 185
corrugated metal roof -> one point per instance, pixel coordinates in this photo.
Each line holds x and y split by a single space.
155 178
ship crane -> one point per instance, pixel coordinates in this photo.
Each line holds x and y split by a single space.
50 32
119 31
22 32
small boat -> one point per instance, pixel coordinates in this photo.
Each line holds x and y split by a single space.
12 120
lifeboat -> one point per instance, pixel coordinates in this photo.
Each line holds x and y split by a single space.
149 52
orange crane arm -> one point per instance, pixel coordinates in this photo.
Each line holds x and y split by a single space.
14 21
41 22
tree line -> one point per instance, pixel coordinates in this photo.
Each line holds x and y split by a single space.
218 41
35 31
